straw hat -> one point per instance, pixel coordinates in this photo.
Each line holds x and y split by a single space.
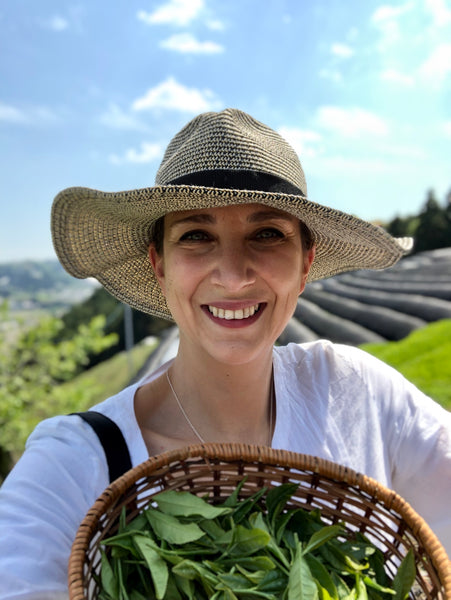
217 159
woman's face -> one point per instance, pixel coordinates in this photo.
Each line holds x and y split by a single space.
231 277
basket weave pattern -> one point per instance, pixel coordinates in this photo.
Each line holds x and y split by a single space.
341 494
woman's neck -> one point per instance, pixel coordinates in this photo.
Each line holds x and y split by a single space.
224 401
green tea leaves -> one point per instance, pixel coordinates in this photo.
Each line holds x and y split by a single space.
255 548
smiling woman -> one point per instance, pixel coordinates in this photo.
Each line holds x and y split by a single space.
223 263
223 245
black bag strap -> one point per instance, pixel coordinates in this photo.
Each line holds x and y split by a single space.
112 440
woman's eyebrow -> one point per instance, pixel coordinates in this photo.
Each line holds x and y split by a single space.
198 218
264 215
255 217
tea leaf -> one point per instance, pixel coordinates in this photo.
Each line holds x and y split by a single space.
185 504
301 585
108 580
277 498
405 577
322 536
244 542
157 566
169 528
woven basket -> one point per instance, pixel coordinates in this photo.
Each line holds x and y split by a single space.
339 493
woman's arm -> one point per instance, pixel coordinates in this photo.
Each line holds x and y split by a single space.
42 503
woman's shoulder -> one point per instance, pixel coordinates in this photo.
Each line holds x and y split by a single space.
322 360
325 352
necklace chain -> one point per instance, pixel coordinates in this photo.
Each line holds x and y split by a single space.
197 434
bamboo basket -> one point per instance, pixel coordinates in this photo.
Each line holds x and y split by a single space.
340 493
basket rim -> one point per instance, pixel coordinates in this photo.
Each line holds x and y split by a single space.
274 457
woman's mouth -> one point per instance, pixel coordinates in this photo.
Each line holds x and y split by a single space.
230 315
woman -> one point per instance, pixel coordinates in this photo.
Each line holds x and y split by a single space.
223 245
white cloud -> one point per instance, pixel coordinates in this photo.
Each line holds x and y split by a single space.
174 12
171 95
147 153
215 25
57 23
35 115
188 44
342 50
388 12
351 122
72 20
397 77
11 114
447 128
116 118
437 66
305 142
386 19
440 13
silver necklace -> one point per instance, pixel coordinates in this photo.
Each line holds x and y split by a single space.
197 434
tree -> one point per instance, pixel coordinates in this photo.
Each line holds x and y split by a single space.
32 367
433 227
102 303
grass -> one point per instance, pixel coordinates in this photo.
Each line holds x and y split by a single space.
424 358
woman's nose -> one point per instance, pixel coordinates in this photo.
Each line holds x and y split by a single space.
234 268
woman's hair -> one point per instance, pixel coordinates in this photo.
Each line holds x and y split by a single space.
157 236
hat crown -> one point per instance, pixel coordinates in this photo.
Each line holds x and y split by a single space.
230 140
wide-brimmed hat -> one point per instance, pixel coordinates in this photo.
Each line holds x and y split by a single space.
217 159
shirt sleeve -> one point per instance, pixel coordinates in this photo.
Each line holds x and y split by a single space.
42 502
417 433
421 463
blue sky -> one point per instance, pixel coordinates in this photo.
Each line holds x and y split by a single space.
91 93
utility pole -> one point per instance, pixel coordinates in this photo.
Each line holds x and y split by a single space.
129 339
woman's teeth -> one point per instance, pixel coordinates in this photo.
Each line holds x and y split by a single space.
242 313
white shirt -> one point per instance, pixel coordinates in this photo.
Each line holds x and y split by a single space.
333 401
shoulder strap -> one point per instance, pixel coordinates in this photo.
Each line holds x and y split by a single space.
112 440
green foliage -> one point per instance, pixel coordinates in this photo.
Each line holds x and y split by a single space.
183 547
106 378
102 303
423 357
431 228
32 367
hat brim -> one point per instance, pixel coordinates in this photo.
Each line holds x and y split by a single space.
106 235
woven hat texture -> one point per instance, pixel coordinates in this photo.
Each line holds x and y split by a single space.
217 159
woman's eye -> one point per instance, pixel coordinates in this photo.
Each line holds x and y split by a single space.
195 236
269 234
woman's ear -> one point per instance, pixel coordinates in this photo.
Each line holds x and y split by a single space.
309 257
157 262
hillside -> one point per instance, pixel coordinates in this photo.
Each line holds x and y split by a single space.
31 285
